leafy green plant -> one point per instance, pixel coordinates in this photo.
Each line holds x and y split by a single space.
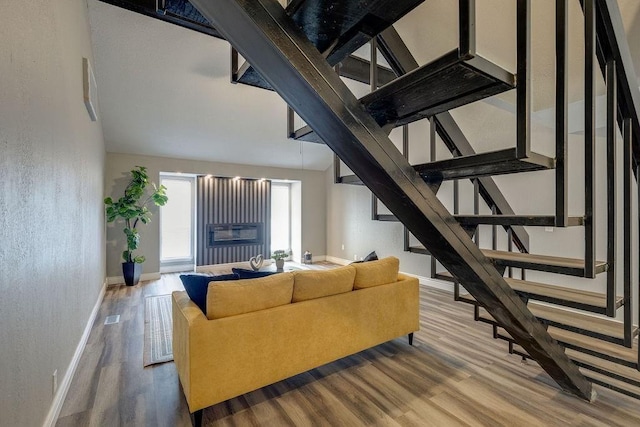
279 254
132 208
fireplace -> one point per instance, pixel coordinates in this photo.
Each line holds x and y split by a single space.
235 234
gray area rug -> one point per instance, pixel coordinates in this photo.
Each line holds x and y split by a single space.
158 333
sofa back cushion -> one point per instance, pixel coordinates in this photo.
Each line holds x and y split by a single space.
197 285
311 284
244 273
226 299
376 273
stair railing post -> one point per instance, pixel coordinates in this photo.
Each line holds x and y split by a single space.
612 117
627 276
234 65
638 253
432 139
510 248
523 88
337 177
432 158
494 230
562 103
373 80
589 137
476 208
291 131
467 28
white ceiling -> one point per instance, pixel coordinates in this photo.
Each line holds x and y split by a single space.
164 90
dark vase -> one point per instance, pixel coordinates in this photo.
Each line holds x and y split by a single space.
131 272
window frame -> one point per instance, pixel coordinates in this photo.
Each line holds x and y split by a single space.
192 241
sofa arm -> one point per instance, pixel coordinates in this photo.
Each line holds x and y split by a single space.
186 316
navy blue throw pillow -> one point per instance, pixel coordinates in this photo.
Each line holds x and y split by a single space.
243 273
196 286
373 256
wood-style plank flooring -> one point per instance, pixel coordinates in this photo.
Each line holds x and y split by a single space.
454 375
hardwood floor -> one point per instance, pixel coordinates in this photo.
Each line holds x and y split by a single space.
455 374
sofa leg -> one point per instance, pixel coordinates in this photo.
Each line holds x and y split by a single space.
411 338
196 418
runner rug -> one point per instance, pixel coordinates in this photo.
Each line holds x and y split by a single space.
158 335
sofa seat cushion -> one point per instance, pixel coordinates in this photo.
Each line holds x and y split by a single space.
376 273
311 284
226 299
196 286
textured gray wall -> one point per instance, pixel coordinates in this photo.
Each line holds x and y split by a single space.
51 189
313 193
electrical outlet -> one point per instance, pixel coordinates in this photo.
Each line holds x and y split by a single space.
355 257
343 246
55 381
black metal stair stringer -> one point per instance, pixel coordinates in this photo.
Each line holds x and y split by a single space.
265 35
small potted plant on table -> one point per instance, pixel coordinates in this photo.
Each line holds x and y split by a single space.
132 208
279 257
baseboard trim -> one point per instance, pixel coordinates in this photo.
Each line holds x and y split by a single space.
179 268
443 285
119 280
63 389
336 260
424 281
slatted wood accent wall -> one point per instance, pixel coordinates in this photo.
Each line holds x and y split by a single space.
232 201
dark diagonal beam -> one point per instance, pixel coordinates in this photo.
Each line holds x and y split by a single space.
264 34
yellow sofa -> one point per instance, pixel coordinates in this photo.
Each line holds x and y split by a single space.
260 331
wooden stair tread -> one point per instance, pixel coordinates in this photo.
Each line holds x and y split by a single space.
603 327
596 362
305 133
619 354
631 374
553 264
336 28
559 293
599 325
441 85
484 164
628 356
351 180
387 218
577 298
530 220
419 250
506 220
611 383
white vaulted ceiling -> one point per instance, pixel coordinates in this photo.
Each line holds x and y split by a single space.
165 90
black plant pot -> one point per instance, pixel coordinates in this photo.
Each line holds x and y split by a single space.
131 272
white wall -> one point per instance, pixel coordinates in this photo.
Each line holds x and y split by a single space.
117 165
51 215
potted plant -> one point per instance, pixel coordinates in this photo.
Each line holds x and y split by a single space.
279 257
132 208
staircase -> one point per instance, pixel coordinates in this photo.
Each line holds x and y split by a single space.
302 50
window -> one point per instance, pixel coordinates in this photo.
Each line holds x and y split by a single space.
176 219
280 216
